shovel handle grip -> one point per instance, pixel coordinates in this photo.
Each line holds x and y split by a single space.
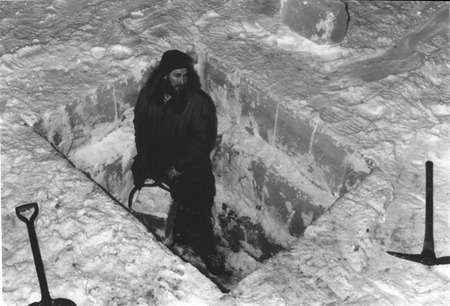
135 188
25 207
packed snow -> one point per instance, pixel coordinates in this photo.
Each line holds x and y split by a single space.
384 91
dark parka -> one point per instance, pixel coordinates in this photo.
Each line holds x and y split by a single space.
180 133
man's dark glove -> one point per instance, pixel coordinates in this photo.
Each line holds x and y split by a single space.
139 169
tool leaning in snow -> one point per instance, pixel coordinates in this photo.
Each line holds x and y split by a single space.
427 257
169 230
45 294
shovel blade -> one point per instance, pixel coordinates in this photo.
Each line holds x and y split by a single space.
55 302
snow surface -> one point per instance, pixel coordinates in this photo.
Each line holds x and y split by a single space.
96 253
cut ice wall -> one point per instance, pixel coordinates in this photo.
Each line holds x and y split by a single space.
262 114
96 134
289 167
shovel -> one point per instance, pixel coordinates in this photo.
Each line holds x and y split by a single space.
427 257
45 295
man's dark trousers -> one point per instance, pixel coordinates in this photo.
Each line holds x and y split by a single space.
194 195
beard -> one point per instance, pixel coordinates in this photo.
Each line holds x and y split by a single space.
176 92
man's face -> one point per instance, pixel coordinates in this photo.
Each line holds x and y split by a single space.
178 79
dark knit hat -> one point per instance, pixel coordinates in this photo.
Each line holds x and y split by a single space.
173 59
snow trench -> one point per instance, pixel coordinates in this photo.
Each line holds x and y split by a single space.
293 117
275 173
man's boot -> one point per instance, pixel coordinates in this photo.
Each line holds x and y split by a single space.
214 261
197 226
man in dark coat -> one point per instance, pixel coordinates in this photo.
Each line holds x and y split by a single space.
175 130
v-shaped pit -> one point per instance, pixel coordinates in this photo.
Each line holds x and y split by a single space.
275 172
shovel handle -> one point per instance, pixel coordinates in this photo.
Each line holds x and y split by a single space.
25 207
428 245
